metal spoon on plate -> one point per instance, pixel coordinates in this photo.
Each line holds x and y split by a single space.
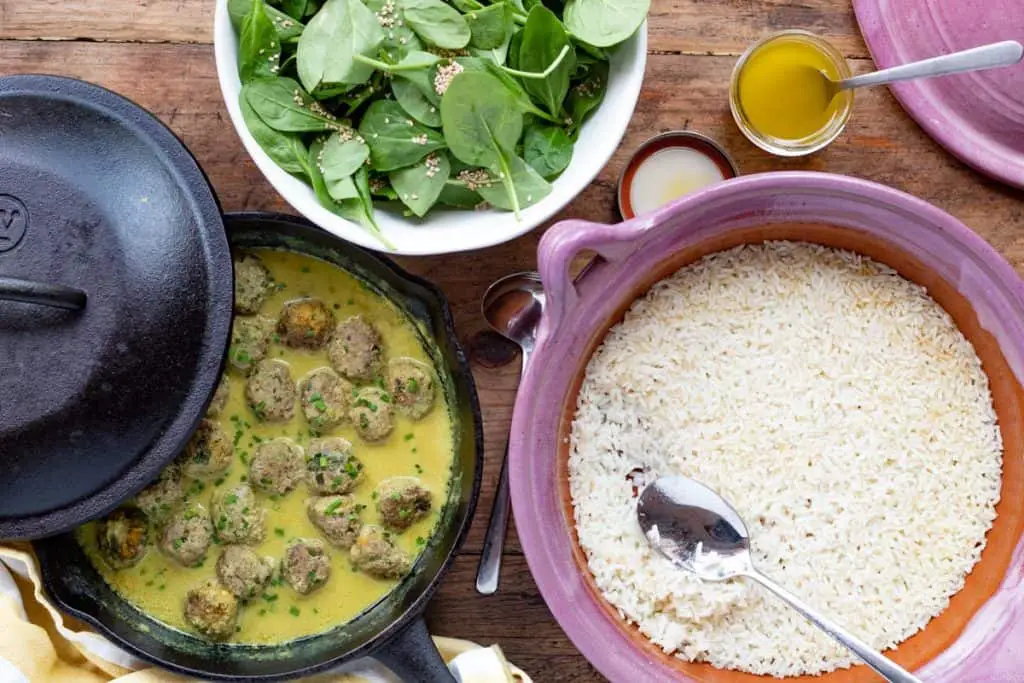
1006 53
696 530
512 306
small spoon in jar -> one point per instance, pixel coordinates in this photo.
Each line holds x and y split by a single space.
512 307
698 531
1006 53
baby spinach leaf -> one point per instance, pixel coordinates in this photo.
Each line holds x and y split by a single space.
285 149
342 189
437 23
340 31
548 149
395 140
419 186
286 27
358 209
285 106
489 26
415 103
498 55
459 196
259 50
544 39
342 155
514 46
521 186
424 81
479 116
380 187
604 23
398 37
586 95
296 9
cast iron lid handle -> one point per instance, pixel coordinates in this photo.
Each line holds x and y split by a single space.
42 293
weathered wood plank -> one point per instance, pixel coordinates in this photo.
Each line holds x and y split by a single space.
692 26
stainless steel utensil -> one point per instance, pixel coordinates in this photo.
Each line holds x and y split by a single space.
1006 53
512 307
696 530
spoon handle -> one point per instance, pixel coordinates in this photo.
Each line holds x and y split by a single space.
494 542
884 666
985 57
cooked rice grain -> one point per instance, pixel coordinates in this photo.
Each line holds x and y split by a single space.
839 409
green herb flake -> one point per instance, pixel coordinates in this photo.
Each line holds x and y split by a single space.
294 611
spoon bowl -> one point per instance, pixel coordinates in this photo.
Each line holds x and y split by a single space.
698 531
512 306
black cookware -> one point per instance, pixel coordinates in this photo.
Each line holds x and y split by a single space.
391 630
115 301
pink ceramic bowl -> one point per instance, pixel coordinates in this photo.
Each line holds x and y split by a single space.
977 639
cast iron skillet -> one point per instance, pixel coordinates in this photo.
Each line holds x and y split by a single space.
393 630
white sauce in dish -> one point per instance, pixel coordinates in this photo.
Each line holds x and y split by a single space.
668 174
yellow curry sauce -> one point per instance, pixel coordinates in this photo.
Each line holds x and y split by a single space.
424 448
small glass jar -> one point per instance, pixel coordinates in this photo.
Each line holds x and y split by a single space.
835 66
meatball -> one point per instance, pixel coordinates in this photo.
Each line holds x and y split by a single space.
253 283
159 499
122 537
401 501
271 391
307 566
331 468
209 452
237 517
188 535
305 323
220 398
372 414
243 572
356 350
325 399
337 518
412 387
277 466
250 341
212 610
376 554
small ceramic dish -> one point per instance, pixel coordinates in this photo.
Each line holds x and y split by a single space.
708 162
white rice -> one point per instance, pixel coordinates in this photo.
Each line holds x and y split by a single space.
840 410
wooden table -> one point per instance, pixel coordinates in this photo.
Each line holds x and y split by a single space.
159 54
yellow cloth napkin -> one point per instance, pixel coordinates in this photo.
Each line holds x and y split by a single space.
38 644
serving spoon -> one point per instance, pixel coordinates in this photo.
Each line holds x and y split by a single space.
512 307
698 531
1005 53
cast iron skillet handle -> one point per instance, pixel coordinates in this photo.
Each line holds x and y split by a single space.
42 293
413 657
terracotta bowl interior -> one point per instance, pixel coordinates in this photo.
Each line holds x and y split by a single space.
1007 392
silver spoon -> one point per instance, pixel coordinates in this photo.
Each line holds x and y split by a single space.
1005 53
512 307
696 530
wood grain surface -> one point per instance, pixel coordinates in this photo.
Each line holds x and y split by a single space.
158 53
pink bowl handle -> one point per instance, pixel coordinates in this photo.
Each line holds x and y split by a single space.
560 245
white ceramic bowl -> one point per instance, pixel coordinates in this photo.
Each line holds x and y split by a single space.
447 231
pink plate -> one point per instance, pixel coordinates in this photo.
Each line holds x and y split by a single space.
978 116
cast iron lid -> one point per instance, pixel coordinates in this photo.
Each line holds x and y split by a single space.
115 301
